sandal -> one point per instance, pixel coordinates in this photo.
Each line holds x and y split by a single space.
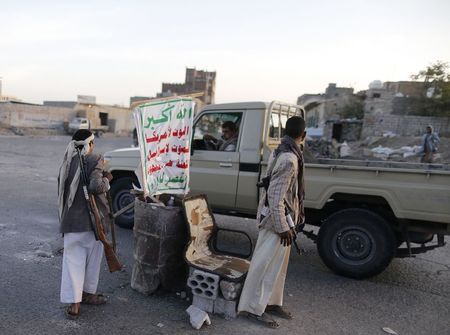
279 311
93 299
265 319
70 314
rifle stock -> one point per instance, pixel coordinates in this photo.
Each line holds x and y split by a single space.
111 257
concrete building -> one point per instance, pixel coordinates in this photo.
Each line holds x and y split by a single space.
321 108
26 115
395 107
66 104
55 116
138 99
196 81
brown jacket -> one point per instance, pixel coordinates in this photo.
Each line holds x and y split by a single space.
76 218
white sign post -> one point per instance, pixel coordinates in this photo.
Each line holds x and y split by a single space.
164 133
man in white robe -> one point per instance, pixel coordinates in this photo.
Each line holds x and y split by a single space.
263 289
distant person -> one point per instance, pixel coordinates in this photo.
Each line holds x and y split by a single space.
82 252
228 142
430 143
262 294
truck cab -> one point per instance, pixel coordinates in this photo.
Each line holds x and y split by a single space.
78 123
229 178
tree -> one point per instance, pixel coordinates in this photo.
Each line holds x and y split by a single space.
352 110
436 78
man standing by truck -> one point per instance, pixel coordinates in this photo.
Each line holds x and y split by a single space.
263 289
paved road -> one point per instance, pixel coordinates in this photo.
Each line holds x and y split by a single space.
411 297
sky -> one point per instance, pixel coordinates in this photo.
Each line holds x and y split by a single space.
261 50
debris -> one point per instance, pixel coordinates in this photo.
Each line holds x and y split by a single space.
183 294
389 331
290 294
197 317
344 150
389 134
160 325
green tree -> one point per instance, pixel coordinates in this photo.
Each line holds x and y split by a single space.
352 110
437 77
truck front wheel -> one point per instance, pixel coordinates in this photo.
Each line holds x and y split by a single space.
356 243
121 197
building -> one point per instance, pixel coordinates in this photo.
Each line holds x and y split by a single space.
136 99
55 115
196 81
321 108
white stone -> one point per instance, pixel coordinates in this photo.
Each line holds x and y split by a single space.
197 317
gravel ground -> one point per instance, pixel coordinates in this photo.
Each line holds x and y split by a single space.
411 297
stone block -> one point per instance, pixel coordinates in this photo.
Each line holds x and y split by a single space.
202 303
225 307
230 290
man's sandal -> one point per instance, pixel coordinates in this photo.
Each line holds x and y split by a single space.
70 313
264 319
279 311
93 299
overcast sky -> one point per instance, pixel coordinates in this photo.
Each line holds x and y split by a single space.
261 50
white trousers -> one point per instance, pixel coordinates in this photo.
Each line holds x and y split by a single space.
81 265
264 284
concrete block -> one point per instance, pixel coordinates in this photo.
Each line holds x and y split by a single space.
202 303
197 317
225 307
204 284
230 290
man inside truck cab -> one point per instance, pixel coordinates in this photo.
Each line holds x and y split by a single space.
228 142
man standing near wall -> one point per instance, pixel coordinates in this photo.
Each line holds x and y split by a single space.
263 288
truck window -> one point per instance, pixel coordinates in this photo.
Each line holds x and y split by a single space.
217 131
277 124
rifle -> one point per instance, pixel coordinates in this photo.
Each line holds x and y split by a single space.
95 220
265 183
111 218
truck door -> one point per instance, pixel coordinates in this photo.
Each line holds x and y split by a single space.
214 166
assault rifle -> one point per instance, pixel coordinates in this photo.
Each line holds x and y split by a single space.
95 220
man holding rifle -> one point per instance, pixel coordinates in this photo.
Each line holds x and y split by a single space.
83 251
279 211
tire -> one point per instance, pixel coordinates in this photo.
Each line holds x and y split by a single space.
356 243
121 197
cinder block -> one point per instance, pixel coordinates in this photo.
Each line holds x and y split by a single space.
204 304
230 290
204 284
225 307
197 317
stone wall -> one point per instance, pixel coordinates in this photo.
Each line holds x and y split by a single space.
403 125
34 116
22 115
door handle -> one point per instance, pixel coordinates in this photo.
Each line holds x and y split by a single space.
225 164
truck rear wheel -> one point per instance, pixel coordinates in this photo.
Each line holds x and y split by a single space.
121 197
356 243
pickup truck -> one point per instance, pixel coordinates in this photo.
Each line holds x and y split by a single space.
84 123
365 210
